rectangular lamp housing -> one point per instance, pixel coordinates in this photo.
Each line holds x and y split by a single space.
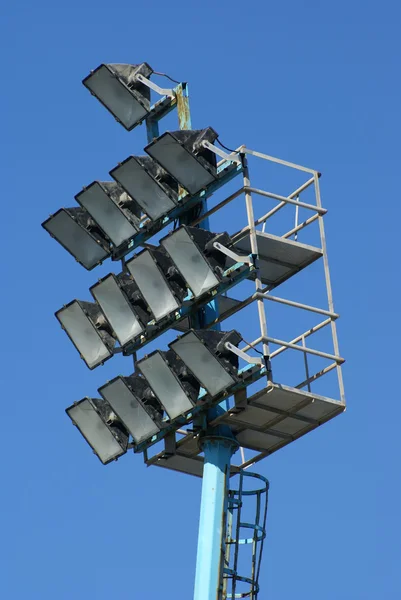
205 355
78 233
192 251
116 87
123 306
158 280
152 188
100 427
88 330
182 155
134 403
174 386
112 209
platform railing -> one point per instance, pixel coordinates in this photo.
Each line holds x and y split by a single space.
262 293
274 346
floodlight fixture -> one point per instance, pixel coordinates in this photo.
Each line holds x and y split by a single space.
183 155
123 306
206 356
133 401
152 188
87 328
199 262
100 427
172 383
118 88
80 235
112 209
159 281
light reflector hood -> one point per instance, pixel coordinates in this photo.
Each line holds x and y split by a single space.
100 427
88 330
182 155
134 403
172 383
158 280
205 355
76 231
123 306
192 251
154 190
112 209
116 87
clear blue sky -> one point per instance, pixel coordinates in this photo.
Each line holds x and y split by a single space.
261 73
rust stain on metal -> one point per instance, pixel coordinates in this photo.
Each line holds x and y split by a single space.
183 108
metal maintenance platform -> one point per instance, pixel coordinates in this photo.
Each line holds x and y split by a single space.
279 258
267 421
277 414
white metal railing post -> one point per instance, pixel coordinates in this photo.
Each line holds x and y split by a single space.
254 250
328 286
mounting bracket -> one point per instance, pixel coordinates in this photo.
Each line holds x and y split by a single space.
233 156
236 257
154 87
170 444
252 360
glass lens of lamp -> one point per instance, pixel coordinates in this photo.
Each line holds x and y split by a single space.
180 163
107 214
96 433
83 334
165 385
190 262
203 364
129 410
152 285
143 188
116 97
117 309
76 239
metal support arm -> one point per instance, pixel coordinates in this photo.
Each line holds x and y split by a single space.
237 257
252 360
154 86
233 156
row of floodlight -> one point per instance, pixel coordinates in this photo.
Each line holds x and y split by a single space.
168 385
186 267
159 286
110 213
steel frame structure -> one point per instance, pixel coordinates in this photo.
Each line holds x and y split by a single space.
276 414
262 294
306 411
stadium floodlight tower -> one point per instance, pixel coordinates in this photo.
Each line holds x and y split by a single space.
203 379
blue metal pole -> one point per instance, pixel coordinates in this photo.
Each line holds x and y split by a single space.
218 443
209 561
